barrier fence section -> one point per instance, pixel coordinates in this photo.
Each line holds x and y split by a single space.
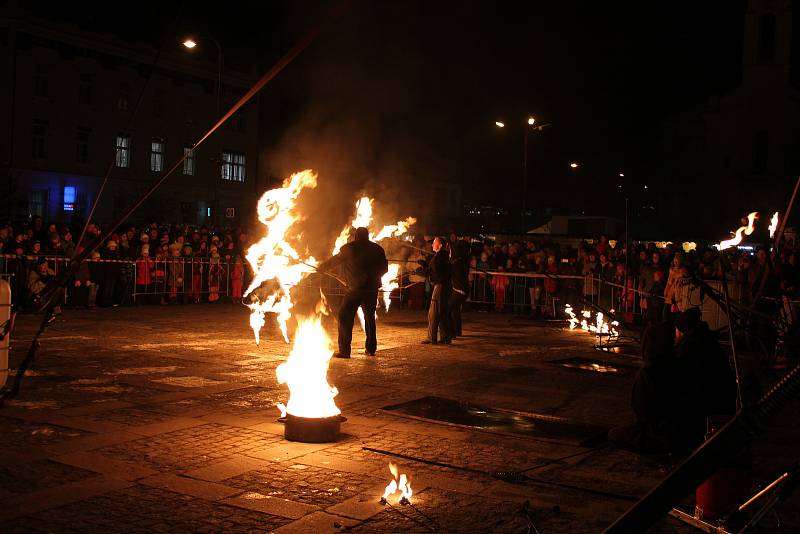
107 282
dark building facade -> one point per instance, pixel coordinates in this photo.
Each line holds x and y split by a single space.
75 104
737 152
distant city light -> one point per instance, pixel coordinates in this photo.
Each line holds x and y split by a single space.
189 43
574 165
622 175
499 124
531 120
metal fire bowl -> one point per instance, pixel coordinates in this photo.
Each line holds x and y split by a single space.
312 429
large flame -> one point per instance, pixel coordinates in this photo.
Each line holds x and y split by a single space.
273 258
737 237
306 371
364 218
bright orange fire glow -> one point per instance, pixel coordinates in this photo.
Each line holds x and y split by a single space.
306 372
364 218
600 326
737 237
773 225
273 258
399 484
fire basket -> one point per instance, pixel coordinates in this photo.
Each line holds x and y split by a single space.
312 429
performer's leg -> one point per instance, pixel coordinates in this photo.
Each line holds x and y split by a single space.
347 314
444 315
368 304
433 313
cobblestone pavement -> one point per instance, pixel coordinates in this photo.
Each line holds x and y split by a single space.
163 419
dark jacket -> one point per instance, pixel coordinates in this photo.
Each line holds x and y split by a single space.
363 263
439 269
460 273
710 373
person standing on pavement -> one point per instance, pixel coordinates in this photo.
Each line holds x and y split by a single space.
364 264
440 275
460 276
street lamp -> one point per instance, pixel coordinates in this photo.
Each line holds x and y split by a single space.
531 122
574 164
190 44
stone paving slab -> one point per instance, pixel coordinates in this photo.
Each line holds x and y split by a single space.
58 496
190 486
318 523
227 468
98 463
272 505
91 442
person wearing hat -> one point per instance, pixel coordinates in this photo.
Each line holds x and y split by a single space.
708 368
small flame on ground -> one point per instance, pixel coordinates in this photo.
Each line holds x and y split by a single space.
737 236
600 326
773 225
399 484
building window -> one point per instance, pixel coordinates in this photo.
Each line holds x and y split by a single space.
37 202
69 198
85 90
122 100
233 165
123 158
39 138
82 145
188 161
766 38
157 155
760 151
40 81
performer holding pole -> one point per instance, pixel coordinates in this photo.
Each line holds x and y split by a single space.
364 263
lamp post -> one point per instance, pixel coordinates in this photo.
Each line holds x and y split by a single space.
190 44
530 126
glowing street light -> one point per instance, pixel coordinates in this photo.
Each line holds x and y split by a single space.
499 124
622 175
190 44
574 164
531 120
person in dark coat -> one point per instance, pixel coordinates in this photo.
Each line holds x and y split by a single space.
708 369
440 275
363 263
665 414
459 264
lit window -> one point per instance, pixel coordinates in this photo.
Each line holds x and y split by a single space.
233 166
188 161
69 198
157 156
123 158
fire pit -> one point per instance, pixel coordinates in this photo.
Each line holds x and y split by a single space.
312 429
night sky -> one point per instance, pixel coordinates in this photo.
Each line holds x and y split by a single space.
413 88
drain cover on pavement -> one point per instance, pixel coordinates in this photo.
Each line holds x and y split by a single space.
466 414
597 366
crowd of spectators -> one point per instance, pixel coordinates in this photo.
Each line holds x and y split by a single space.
162 264
646 279
155 263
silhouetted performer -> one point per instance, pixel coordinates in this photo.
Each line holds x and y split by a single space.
709 371
459 262
665 407
364 263
440 274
